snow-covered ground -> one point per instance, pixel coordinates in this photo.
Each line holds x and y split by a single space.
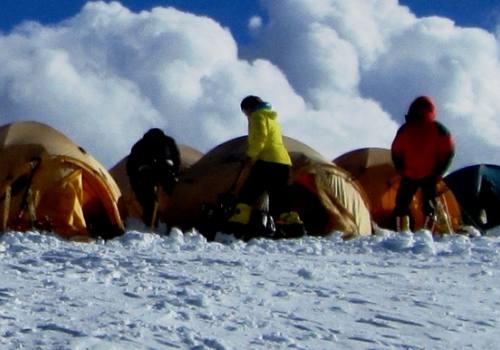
151 291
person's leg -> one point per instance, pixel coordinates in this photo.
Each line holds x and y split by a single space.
401 213
146 197
252 189
429 196
289 221
254 185
406 191
143 185
276 187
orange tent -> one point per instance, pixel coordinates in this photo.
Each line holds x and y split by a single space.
374 170
128 204
323 194
48 182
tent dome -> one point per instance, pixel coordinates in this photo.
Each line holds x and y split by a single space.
477 189
48 182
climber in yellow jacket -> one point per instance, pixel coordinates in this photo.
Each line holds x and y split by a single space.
267 167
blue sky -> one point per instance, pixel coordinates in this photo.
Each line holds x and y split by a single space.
49 11
235 13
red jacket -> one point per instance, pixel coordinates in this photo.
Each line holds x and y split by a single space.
422 147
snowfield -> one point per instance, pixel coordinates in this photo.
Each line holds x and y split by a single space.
178 291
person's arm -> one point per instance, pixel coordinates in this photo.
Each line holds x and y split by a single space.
398 162
446 150
444 163
169 164
397 151
173 154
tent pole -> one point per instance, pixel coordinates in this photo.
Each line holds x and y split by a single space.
444 212
155 208
6 208
32 200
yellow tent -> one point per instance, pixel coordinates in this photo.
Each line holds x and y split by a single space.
337 201
128 204
47 182
373 169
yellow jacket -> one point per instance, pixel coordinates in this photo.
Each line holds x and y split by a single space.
265 141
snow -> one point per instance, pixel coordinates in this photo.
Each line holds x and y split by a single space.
178 291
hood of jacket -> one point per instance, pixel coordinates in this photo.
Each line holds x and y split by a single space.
422 109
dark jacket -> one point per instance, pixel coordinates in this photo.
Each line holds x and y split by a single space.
154 160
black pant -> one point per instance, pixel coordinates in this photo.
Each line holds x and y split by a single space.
146 196
145 183
267 177
408 188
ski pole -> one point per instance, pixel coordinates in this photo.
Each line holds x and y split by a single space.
241 177
155 207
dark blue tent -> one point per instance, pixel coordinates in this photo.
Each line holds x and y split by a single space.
477 189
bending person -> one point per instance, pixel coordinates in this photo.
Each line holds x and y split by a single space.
267 167
153 163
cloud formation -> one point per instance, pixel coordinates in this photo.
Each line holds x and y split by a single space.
341 74
106 75
379 51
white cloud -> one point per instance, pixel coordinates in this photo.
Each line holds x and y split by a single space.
255 23
106 75
341 74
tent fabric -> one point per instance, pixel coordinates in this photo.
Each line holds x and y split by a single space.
128 205
477 189
373 169
333 204
48 182
341 199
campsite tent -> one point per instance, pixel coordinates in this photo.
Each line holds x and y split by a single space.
323 194
477 188
374 170
128 204
48 182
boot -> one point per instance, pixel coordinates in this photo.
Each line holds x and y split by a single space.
483 217
290 225
261 225
403 223
290 218
241 214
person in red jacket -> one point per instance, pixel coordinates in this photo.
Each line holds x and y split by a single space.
421 152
